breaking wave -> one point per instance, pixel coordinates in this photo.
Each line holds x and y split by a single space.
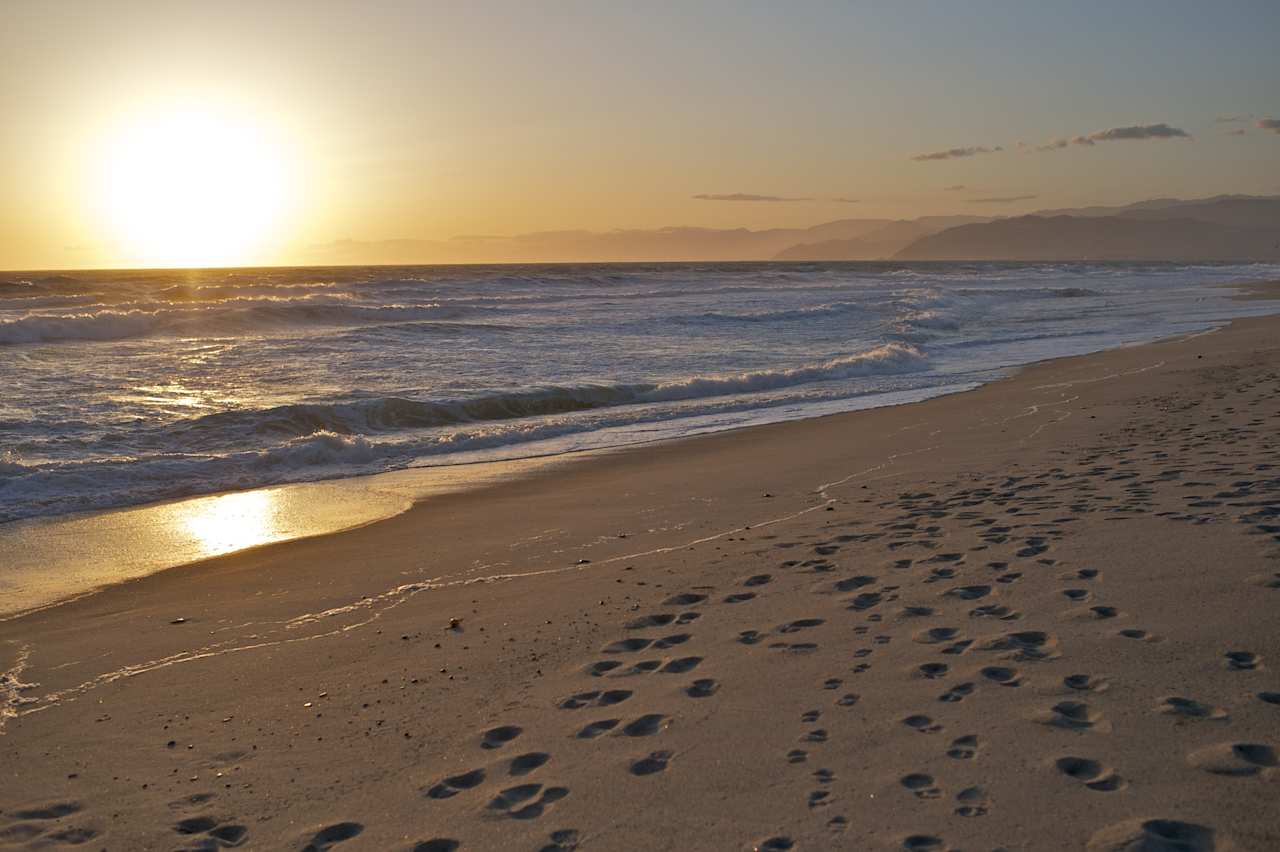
247 317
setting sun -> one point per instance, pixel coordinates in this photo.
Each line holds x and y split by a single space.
193 187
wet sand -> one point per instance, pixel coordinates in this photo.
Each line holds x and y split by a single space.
1038 615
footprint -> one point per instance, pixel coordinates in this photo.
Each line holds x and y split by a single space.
526 763
932 671
1002 675
685 599
923 843
999 611
1104 612
655 762
455 784
973 802
1269 697
646 725
935 635
817 735
810 716
682 665
800 624
500 736
920 785
511 801
797 756
564 840
1243 661
923 724
956 693
758 580
819 798
1026 645
1156 835
596 698
1076 716
627 646
1091 773
660 619
739 597
1234 759
438 844
851 583
750 637
774 844
1177 706
1140 635
702 688
968 593
1084 683
602 668
330 836
1078 595
847 700
597 729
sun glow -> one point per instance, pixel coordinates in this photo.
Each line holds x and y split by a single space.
194 187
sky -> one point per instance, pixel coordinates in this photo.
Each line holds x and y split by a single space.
161 133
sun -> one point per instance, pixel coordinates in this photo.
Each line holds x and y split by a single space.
193 186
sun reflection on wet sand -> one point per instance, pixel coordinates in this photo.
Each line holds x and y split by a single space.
232 521
50 559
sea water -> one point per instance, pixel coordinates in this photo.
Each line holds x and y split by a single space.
124 388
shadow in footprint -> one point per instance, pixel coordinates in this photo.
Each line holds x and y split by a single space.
500 736
655 762
702 688
330 836
455 784
512 801
1091 773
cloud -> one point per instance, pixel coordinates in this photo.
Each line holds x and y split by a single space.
1231 119
846 200
1272 124
1054 145
1239 131
956 188
1133 131
744 196
955 153
1115 134
1004 199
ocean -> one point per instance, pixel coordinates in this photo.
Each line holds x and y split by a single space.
124 388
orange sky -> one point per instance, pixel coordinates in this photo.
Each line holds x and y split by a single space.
324 121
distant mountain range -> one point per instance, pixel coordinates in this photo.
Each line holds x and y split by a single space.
1225 227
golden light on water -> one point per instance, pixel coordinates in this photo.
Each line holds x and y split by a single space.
232 521
193 186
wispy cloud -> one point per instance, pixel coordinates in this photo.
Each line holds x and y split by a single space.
956 153
1133 131
745 196
956 188
1272 124
1239 131
846 200
1002 199
1114 134
1232 119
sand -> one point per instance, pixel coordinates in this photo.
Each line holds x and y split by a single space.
1038 615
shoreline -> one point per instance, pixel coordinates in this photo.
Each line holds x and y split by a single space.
338 680
155 531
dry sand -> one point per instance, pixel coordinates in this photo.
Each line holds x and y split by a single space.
1040 615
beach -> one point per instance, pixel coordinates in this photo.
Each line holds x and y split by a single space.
1039 614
